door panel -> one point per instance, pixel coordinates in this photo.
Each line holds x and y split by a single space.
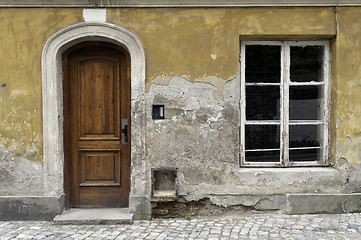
99 168
96 98
98 91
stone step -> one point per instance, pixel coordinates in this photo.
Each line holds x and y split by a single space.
95 216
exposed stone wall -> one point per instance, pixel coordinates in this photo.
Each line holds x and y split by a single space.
218 205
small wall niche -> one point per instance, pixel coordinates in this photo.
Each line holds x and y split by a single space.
158 111
164 183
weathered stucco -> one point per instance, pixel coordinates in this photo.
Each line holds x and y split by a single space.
346 99
20 174
203 43
192 67
199 136
24 35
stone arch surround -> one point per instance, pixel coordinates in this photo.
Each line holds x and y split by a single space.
52 99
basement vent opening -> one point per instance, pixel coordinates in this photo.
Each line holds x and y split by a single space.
164 183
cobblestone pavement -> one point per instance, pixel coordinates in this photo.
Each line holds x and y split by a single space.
249 226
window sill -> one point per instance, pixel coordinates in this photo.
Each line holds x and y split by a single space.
287 169
260 170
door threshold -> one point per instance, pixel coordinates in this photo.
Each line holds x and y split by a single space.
94 216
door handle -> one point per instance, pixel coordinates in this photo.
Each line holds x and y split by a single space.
124 131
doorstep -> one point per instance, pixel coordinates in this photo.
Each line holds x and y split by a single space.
95 216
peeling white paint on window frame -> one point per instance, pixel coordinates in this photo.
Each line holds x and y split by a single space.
284 111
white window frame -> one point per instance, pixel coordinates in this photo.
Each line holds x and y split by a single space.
284 104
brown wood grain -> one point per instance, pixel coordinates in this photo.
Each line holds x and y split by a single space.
96 98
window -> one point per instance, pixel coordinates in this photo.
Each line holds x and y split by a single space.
284 103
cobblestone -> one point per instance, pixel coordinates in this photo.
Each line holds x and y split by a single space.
249 226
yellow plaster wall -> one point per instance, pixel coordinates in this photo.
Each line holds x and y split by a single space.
23 35
347 84
200 44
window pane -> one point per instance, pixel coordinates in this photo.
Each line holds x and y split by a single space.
263 156
306 103
306 63
305 155
262 137
262 102
305 135
263 63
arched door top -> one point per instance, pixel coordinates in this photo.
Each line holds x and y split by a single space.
52 98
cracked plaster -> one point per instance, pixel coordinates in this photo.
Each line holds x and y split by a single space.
198 85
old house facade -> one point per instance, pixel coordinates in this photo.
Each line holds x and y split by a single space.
166 107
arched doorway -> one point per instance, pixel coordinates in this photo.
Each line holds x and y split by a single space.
96 98
53 124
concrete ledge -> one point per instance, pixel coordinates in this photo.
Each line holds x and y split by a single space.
323 203
80 216
320 180
30 208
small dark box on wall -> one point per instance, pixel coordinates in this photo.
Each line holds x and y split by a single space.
158 111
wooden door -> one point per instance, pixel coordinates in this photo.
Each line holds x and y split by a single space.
96 125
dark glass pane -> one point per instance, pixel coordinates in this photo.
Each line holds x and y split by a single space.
262 102
263 156
306 63
263 63
305 155
305 135
262 136
306 103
